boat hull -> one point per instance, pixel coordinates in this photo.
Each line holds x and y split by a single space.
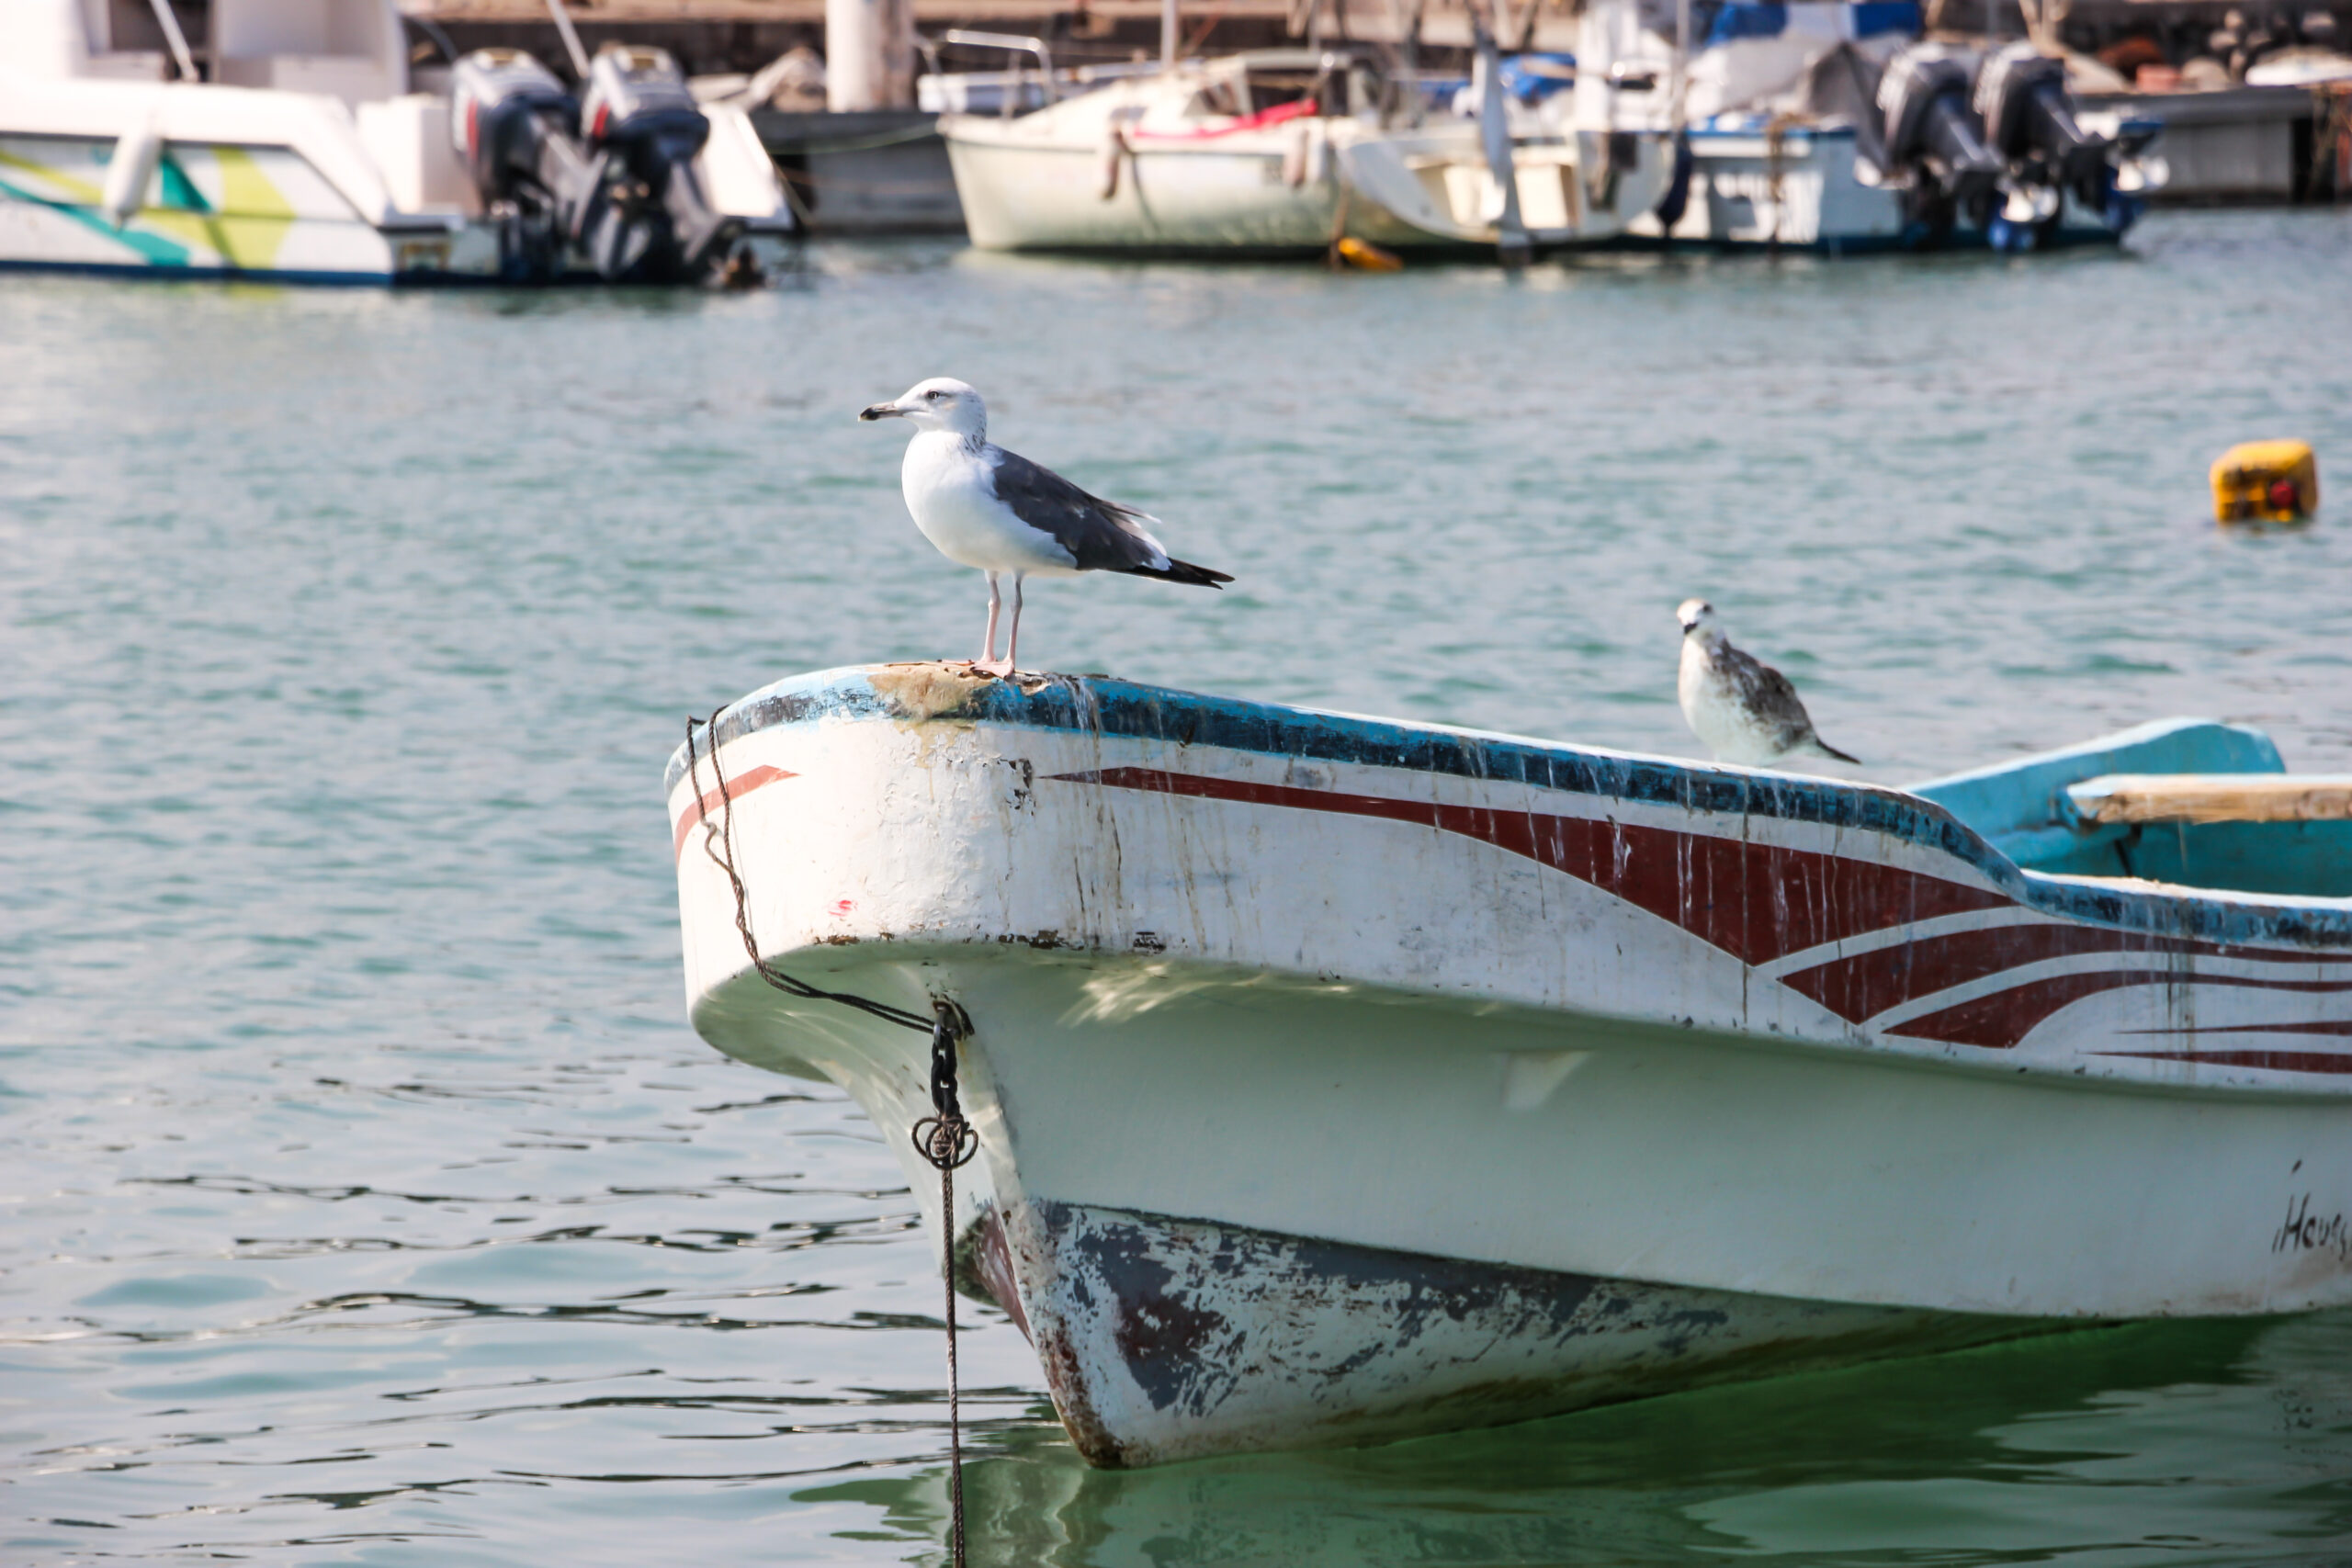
1311 1053
1231 197
1292 190
1797 191
266 186
1166 1338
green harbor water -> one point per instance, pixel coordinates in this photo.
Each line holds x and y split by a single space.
368 1199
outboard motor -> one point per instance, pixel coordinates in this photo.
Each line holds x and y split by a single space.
515 127
649 219
2029 123
1933 150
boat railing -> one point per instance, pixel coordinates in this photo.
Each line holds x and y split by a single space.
1017 43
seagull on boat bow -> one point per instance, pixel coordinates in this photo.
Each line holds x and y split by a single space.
1746 711
997 510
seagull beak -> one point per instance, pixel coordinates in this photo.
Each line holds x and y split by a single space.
881 411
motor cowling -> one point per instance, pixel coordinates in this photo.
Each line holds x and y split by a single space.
514 128
650 221
2022 102
1932 142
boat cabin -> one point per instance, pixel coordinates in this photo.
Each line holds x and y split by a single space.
351 49
1243 87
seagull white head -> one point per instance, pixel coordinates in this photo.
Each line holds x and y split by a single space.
1697 618
941 403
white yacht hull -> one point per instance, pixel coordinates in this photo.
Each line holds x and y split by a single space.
1145 164
1235 195
1798 190
251 183
1338 1080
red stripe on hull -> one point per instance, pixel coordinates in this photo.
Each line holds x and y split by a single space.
2322 1026
737 788
2275 1061
1998 1022
1869 983
1757 902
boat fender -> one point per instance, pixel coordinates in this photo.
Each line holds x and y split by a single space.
1677 199
1299 158
1114 148
136 155
1365 257
2265 481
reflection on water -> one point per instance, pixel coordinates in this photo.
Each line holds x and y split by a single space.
2222 1443
368 1199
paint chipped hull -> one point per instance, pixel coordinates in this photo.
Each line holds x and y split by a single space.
1168 1339
1339 1081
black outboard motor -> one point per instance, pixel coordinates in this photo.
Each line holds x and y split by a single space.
2029 122
515 129
1933 150
649 220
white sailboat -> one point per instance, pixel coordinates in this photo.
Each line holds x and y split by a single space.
1289 152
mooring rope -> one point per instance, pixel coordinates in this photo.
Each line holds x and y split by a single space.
718 843
948 1141
944 1138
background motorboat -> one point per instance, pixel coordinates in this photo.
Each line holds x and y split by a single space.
285 141
1291 151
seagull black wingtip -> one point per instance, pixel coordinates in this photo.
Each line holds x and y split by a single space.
1185 572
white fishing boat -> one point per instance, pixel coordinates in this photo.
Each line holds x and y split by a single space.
1338 1079
283 141
1289 152
1831 126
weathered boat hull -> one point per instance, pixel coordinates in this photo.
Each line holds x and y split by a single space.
1339 1081
1167 1338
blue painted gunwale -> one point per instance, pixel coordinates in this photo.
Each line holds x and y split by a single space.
1130 711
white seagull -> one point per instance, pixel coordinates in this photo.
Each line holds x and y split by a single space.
1746 712
998 512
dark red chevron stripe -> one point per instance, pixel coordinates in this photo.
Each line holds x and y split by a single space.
2316 1026
2276 1061
1998 1022
1868 983
1757 902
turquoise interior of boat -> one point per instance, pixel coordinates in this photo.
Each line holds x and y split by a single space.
2023 808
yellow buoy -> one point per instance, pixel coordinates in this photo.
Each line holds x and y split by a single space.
2265 481
1369 257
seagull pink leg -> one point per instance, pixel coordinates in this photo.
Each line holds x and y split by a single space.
994 665
1012 637
988 648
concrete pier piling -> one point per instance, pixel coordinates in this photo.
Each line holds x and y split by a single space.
869 55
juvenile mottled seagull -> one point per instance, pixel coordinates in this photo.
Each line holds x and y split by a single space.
997 510
1747 712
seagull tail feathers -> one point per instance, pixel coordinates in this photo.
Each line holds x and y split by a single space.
1183 572
1822 748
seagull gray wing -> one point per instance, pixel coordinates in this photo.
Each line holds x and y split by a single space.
1100 536
1767 695
1768 699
